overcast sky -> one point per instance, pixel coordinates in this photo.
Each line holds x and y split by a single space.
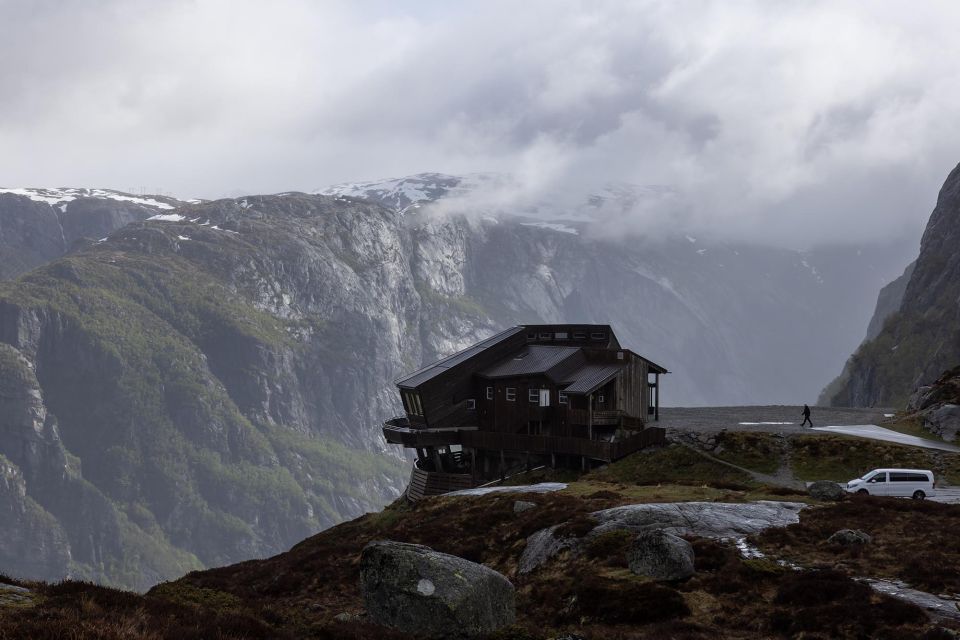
797 122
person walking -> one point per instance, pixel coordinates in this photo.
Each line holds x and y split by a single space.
806 417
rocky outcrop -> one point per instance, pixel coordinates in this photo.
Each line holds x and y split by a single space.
937 406
661 556
848 537
827 491
922 339
38 226
697 519
434 595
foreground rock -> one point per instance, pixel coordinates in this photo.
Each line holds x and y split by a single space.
661 556
826 490
700 519
418 590
849 537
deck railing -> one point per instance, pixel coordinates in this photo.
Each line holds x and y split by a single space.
595 449
433 483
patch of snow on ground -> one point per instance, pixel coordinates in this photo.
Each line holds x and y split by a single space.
759 423
182 238
555 226
167 217
543 487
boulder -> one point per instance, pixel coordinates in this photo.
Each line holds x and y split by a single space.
417 590
519 506
848 537
702 519
944 421
826 490
543 545
661 556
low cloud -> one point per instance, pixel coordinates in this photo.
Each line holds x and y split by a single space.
793 123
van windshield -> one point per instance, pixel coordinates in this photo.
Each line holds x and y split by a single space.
868 475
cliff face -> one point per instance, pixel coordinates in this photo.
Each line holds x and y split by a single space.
40 225
922 339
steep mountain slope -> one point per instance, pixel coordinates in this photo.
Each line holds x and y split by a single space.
922 339
40 225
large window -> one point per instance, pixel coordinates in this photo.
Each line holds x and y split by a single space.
562 398
511 394
411 402
489 393
534 395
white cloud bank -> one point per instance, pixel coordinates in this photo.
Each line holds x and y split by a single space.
792 122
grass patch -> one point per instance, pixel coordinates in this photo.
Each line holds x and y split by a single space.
674 464
757 451
841 458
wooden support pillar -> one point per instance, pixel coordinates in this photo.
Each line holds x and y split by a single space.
590 416
656 393
503 465
583 463
553 461
473 465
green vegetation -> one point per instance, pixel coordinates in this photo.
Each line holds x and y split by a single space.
674 464
757 451
839 458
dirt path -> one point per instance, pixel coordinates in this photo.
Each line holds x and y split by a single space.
782 478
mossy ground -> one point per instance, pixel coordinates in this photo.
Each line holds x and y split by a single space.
299 593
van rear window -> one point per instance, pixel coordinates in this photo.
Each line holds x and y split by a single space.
908 477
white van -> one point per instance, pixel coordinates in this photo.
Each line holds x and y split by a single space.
902 483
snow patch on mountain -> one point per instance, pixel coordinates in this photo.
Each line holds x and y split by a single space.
60 196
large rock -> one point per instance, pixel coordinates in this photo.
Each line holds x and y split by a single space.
944 421
418 590
701 519
848 537
826 490
661 556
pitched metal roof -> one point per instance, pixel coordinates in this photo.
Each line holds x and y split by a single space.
591 377
531 360
431 371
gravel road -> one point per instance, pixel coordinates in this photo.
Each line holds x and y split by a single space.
771 419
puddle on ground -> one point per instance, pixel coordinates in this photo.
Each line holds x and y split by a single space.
942 606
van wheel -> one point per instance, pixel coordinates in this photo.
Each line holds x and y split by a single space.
919 495
862 492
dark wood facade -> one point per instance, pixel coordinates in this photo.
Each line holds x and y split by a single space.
538 390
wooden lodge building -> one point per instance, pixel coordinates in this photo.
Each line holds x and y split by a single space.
528 396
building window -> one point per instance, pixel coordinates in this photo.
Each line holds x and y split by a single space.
598 336
546 336
579 335
562 398
411 402
511 393
561 335
534 395
471 404
489 393
600 398
531 336
620 355
544 397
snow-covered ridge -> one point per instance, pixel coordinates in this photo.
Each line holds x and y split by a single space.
555 226
65 195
